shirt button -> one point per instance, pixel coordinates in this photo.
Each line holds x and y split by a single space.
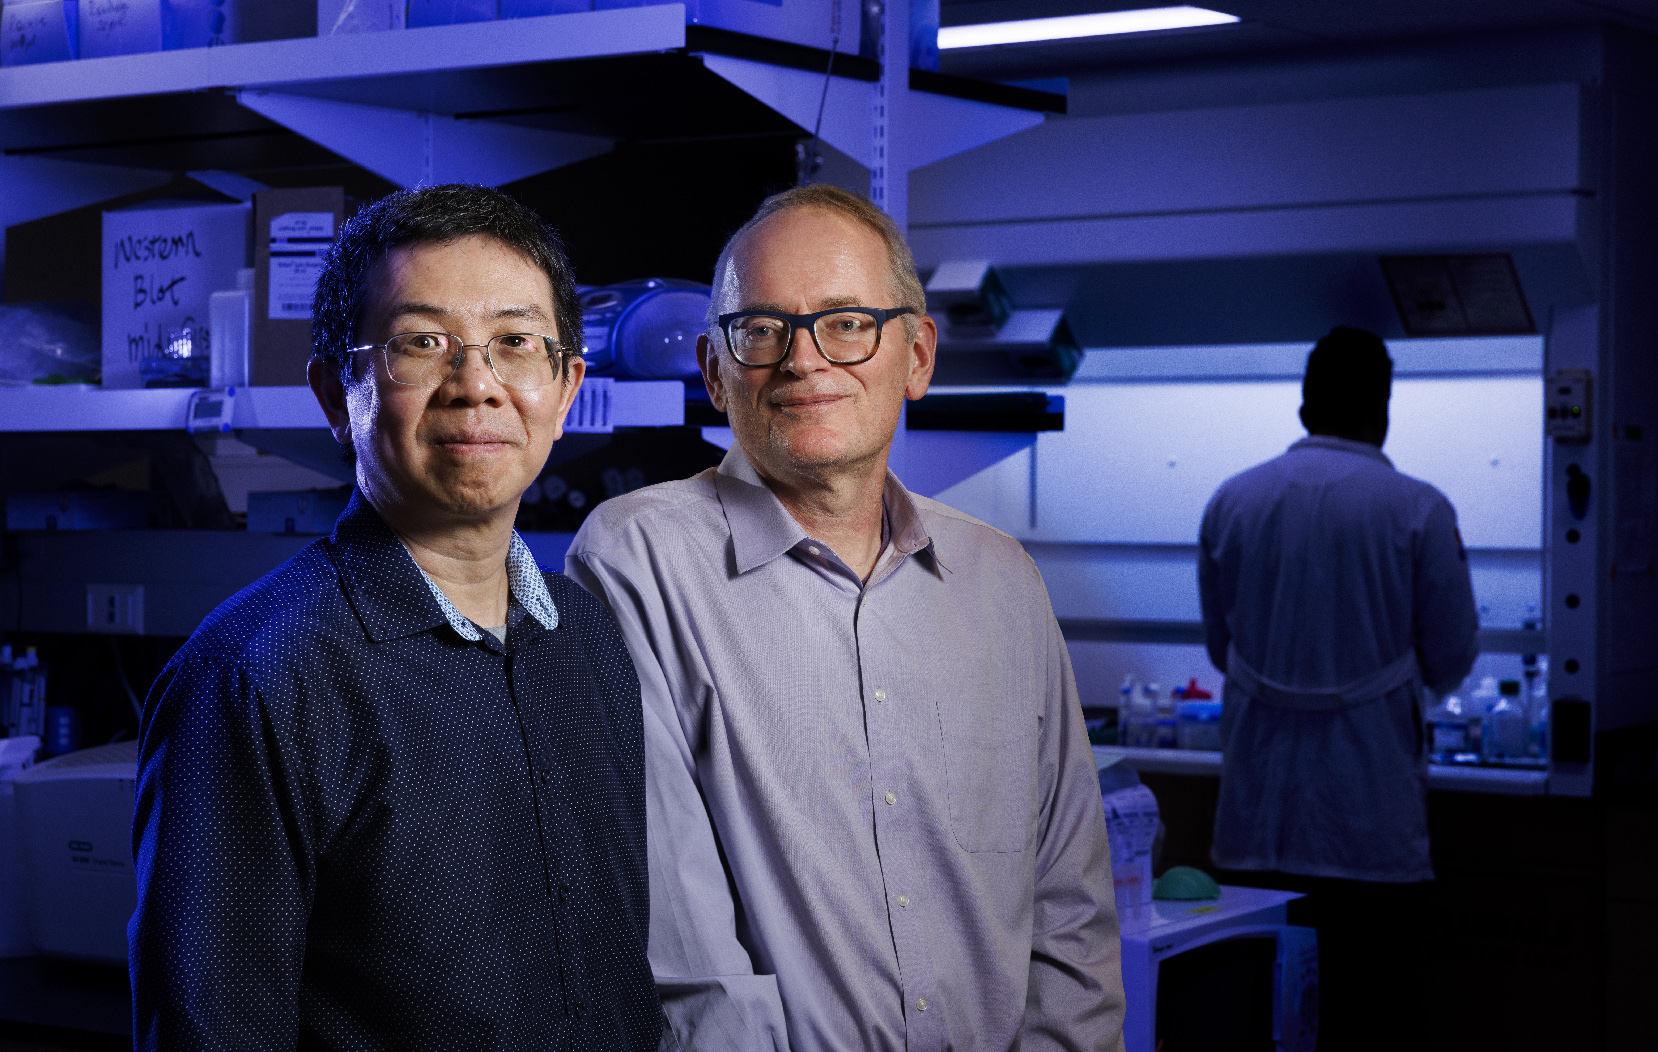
880 695
814 549
921 1004
563 892
892 798
575 1010
903 901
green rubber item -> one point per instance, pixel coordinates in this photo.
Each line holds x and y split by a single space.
1185 884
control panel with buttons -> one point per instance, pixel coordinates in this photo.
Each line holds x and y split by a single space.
1566 406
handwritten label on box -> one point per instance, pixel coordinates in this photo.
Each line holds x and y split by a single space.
119 27
37 32
160 268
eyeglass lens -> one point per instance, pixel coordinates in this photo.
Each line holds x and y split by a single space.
845 338
427 359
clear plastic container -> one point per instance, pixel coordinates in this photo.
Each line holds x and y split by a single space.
1199 726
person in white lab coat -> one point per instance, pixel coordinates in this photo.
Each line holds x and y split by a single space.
1334 588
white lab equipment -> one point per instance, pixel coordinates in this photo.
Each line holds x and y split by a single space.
75 814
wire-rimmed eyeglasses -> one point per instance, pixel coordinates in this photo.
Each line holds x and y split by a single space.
428 359
843 335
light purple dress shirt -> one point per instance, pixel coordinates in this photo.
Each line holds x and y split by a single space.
874 820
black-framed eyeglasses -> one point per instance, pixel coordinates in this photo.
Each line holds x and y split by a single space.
428 359
843 335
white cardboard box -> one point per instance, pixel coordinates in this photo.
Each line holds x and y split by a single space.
38 31
119 27
359 16
161 265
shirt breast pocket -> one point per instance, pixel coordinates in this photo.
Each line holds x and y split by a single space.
990 760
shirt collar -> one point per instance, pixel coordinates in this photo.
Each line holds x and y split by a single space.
762 529
393 597
523 579
1342 445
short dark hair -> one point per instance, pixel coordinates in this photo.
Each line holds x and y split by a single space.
1349 378
434 215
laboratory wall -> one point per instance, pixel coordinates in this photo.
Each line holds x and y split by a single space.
1110 507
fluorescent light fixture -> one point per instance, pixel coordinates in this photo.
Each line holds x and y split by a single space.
1106 23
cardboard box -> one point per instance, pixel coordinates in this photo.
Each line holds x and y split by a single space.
450 12
360 16
119 27
292 232
130 27
161 265
40 31
305 511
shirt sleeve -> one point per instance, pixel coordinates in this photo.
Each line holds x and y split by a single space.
1075 1001
713 998
1214 593
223 864
1445 618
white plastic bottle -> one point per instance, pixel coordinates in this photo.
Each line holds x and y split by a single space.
1537 712
1476 707
1142 717
1167 726
1507 729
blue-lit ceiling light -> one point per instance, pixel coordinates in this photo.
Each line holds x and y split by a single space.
1105 23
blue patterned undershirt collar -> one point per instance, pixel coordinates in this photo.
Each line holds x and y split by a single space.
523 578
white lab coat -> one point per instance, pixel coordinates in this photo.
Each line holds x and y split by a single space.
1335 587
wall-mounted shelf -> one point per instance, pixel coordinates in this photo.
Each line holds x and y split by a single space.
358 62
637 403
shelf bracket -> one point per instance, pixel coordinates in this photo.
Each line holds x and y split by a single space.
425 149
935 126
35 187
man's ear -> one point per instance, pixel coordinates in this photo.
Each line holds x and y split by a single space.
572 385
923 357
324 378
708 360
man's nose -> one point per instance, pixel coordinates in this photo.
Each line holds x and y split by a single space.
473 381
804 358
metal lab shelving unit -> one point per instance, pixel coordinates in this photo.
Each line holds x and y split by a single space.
486 102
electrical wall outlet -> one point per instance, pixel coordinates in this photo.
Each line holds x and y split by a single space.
115 608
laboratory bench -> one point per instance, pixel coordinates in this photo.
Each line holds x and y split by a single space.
1543 910
1509 781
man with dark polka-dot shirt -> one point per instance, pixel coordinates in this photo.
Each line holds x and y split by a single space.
392 795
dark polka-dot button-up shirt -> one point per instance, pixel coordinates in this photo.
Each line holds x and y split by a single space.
357 828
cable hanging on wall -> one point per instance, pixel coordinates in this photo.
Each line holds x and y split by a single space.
810 161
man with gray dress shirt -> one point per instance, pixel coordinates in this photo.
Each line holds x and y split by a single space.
873 818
